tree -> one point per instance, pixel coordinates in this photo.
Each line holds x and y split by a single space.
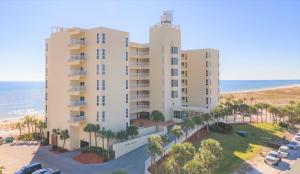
64 135
207 158
198 120
213 146
89 129
27 122
292 103
34 121
19 126
195 167
122 135
132 131
164 140
154 148
55 133
96 129
42 126
109 135
182 153
157 117
101 133
187 124
207 118
176 131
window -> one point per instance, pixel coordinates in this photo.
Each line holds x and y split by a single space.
103 115
174 61
126 42
97 116
206 91
126 112
177 114
174 94
81 98
97 38
174 83
46 96
126 70
103 85
103 53
126 58
81 83
207 101
206 63
174 72
174 50
97 53
103 100
46 84
97 85
126 84
81 113
97 69
103 69
126 98
126 125
103 38
97 100
206 82
206 73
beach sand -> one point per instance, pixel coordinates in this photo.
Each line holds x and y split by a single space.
279 96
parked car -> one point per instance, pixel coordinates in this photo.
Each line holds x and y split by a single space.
273 158
29 168
46 171
297 137
293 145
9 139
284 151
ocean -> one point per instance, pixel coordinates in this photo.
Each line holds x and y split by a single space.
21 98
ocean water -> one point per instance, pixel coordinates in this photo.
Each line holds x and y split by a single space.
21 98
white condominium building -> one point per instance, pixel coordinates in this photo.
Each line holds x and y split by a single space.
98 76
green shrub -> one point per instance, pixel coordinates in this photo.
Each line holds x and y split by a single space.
26 137
284 125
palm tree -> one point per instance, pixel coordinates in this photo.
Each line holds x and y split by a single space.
207 118
157 117
109 135
101 133
42 126
55 133
89 129
27 122
164 140
198 121
19 126
176 131
154 148
96 129
292 103
132 131
122 135
64 135
34 122
187 124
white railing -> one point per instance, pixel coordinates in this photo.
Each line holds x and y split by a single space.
139 107
138 54
77 42
140 75
77 57
139 96
77 119
139 86
77 88
78 73
77 103
139 64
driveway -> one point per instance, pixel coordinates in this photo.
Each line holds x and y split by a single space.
132 162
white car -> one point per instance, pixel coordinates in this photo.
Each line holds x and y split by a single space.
297 137
293 145
273 158
284 151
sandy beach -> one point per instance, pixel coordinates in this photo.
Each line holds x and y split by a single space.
278 96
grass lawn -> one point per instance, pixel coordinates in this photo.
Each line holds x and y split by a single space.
236 149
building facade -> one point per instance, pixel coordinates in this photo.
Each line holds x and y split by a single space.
97 76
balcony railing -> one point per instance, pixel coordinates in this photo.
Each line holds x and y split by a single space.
77 42
77 58
77 103
139 107
78 73
139 86
77 119
140 75
78 88
139 96
139 64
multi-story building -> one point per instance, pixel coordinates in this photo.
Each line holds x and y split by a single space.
97 76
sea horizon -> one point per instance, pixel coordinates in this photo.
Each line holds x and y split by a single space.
20 98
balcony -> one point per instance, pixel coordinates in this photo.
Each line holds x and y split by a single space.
139 97
139 65
77 43
77 103
139 108
139 55
139 76
76 89
76 120
77 74
75 31
76 59
141 86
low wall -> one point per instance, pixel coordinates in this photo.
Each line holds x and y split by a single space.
130 145
147 131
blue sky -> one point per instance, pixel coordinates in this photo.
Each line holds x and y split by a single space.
257 39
